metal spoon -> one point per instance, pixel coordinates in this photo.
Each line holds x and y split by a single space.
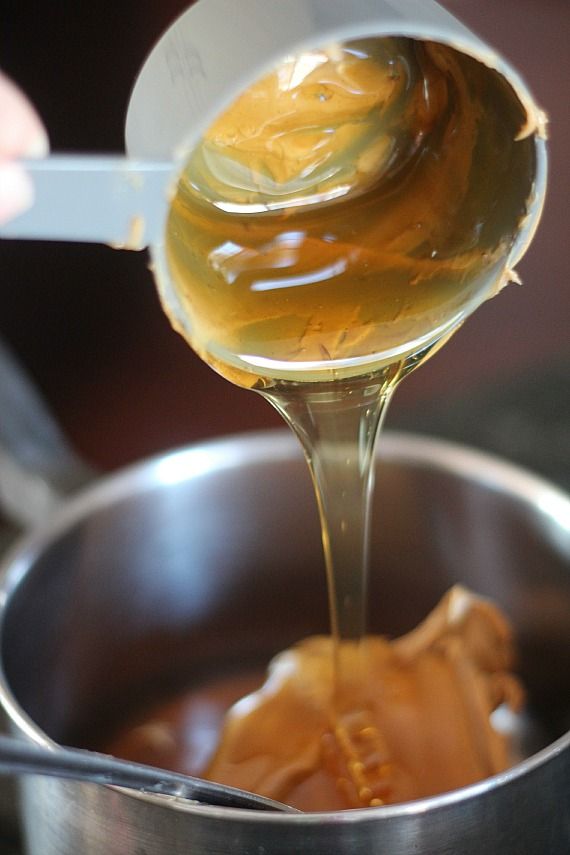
18 757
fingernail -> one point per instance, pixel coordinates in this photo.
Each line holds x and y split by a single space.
38 146
16 191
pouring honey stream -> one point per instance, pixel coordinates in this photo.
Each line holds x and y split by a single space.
329 233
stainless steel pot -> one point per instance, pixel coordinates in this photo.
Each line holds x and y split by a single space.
209 560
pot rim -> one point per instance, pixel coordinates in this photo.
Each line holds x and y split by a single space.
228 452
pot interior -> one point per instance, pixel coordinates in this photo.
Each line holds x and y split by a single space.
206 563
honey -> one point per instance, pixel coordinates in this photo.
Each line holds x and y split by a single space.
331 230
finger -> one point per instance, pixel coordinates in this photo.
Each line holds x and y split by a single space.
16 191
21 131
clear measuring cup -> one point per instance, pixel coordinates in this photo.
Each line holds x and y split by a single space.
214 52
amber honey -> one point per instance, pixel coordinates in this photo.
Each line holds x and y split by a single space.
332 228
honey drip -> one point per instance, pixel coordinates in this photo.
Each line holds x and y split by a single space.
330 231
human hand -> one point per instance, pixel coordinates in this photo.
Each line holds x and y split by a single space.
21 135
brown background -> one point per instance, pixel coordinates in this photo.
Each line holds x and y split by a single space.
85 320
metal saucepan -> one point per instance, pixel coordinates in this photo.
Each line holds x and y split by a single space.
207 562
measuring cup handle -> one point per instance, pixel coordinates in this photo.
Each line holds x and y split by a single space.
91 198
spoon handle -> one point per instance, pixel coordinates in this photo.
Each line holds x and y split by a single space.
95 199
19 757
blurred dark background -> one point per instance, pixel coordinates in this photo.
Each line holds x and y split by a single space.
86 322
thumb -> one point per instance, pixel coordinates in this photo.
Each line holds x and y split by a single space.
21 135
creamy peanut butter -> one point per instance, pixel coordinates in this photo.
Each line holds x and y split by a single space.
409 718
